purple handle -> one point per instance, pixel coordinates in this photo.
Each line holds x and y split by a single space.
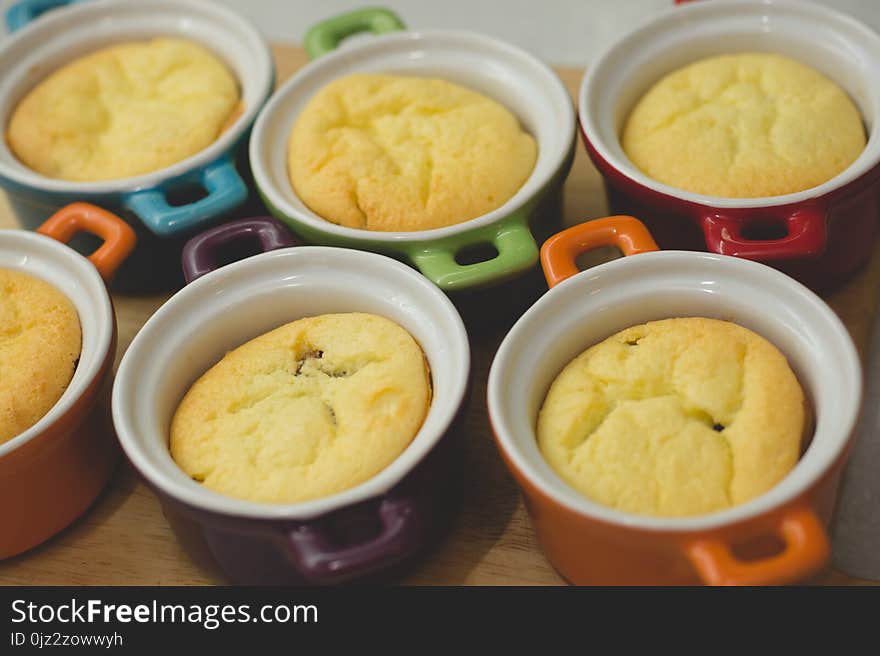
200 253
322 562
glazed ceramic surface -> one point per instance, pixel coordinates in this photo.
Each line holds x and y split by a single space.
51 473
223 309
820 235
591 543
54 38
529 88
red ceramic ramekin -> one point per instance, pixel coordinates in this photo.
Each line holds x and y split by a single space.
820 235
593 544
361 532
52 472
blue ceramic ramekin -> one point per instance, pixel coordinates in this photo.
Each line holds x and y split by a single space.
44 41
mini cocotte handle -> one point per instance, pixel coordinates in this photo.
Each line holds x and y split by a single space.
559 253
326 36
320 561
119 238
26 11
201 254
512 239
226 191
804 227
805 552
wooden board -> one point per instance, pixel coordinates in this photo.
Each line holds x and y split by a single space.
124 539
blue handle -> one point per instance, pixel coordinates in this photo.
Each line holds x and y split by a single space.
22 13
226 191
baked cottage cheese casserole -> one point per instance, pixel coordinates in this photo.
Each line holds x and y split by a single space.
40 344
304 411
743 126
124 110
673 418
405 153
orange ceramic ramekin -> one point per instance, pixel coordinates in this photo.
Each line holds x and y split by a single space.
778 537
51 473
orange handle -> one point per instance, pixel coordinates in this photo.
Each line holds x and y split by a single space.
806 551
119 238
560 252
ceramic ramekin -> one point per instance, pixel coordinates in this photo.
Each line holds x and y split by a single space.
593 544
46 41
529 88
820 235
385 520
51 473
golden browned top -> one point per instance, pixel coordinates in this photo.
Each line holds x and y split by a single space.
401 153
304 411
40 343
124 110
742 126
674 417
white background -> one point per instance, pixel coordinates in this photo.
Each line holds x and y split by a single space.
559 31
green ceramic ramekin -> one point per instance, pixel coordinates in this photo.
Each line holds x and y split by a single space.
508 74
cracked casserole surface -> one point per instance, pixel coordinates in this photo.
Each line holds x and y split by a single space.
124 110
304 411
744 126
401 153
674 417
40 344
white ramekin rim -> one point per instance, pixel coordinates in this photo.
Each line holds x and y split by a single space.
669 273
261 78
534 186
695 14
276 269
76 277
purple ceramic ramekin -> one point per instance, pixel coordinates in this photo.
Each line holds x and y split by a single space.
365 531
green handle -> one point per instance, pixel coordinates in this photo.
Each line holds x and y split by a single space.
326 35
517 251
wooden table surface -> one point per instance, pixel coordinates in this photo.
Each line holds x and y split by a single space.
124 538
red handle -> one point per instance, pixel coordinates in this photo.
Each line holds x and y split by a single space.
806 236
806 551
322 562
